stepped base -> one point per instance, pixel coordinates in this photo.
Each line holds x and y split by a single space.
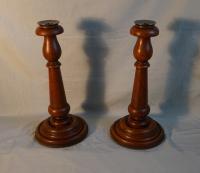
147 136
67 132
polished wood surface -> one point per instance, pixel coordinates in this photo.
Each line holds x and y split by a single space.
61 129
137 130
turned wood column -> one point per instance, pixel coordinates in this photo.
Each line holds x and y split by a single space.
61 129
137 130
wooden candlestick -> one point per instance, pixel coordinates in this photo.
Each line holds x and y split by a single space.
61 129
137 130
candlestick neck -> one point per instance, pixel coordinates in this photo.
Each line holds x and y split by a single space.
51 48
143 30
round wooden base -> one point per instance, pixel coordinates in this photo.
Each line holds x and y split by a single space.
143 137
64 133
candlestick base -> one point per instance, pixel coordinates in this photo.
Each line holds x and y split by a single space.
66 132
144 135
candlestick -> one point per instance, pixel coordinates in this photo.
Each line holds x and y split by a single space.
137 130
61 129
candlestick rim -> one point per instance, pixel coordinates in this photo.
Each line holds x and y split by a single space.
48 23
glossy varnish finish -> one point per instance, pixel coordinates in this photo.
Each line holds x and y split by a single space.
137 130
61 129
